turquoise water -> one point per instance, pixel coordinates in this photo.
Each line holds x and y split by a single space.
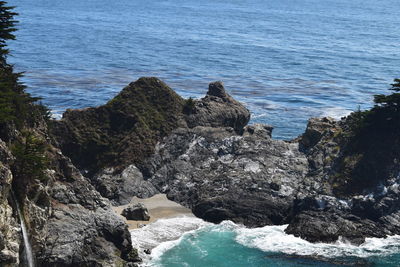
218 248
287 60
227 244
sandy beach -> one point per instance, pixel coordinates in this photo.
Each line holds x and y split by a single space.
158 206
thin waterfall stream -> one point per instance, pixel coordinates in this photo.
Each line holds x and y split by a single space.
27 244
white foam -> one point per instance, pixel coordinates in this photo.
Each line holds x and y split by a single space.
274 239
163 234
336 112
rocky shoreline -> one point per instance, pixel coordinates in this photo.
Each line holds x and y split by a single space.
223 169
201 153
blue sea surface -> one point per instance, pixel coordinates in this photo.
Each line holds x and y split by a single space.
287 60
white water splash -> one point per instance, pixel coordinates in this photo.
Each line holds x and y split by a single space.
274 239
163 234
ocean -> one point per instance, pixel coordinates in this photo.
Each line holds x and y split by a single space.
287 60
191 242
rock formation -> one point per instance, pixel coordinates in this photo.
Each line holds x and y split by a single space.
324 184
105 140
333 181
137 212
10 239
67 220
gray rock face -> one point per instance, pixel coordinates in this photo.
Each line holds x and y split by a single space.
81 229
250 178
120 188
69 223
137 212
10 239
218 109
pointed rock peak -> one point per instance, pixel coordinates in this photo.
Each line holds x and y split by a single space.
217 89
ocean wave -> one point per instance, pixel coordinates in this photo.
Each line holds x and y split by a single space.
163 234
274 239
335 112
166 234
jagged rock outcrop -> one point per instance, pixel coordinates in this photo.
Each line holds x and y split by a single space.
137 212
106 141
218 109
80 228
361 170
67 220
122 132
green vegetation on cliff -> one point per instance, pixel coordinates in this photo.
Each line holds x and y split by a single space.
16 105
124 131
19 114
372 146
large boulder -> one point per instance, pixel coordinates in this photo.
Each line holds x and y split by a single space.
120 187
137 212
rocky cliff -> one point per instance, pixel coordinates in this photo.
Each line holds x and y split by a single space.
108 142
67 221
332 181
336 180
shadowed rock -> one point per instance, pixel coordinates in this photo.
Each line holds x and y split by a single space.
137 212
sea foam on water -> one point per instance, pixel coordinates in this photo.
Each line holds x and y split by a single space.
168 234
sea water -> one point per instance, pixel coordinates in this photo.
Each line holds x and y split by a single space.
286 60
188 241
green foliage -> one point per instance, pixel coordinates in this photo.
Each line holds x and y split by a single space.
7 27
189 106
30 157
15 104
371 144
389 101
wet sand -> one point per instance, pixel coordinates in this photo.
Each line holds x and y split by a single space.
159 207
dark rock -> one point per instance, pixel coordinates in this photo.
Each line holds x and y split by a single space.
319 226
316 127
218 109
332 181
225 176
252 179
137 212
